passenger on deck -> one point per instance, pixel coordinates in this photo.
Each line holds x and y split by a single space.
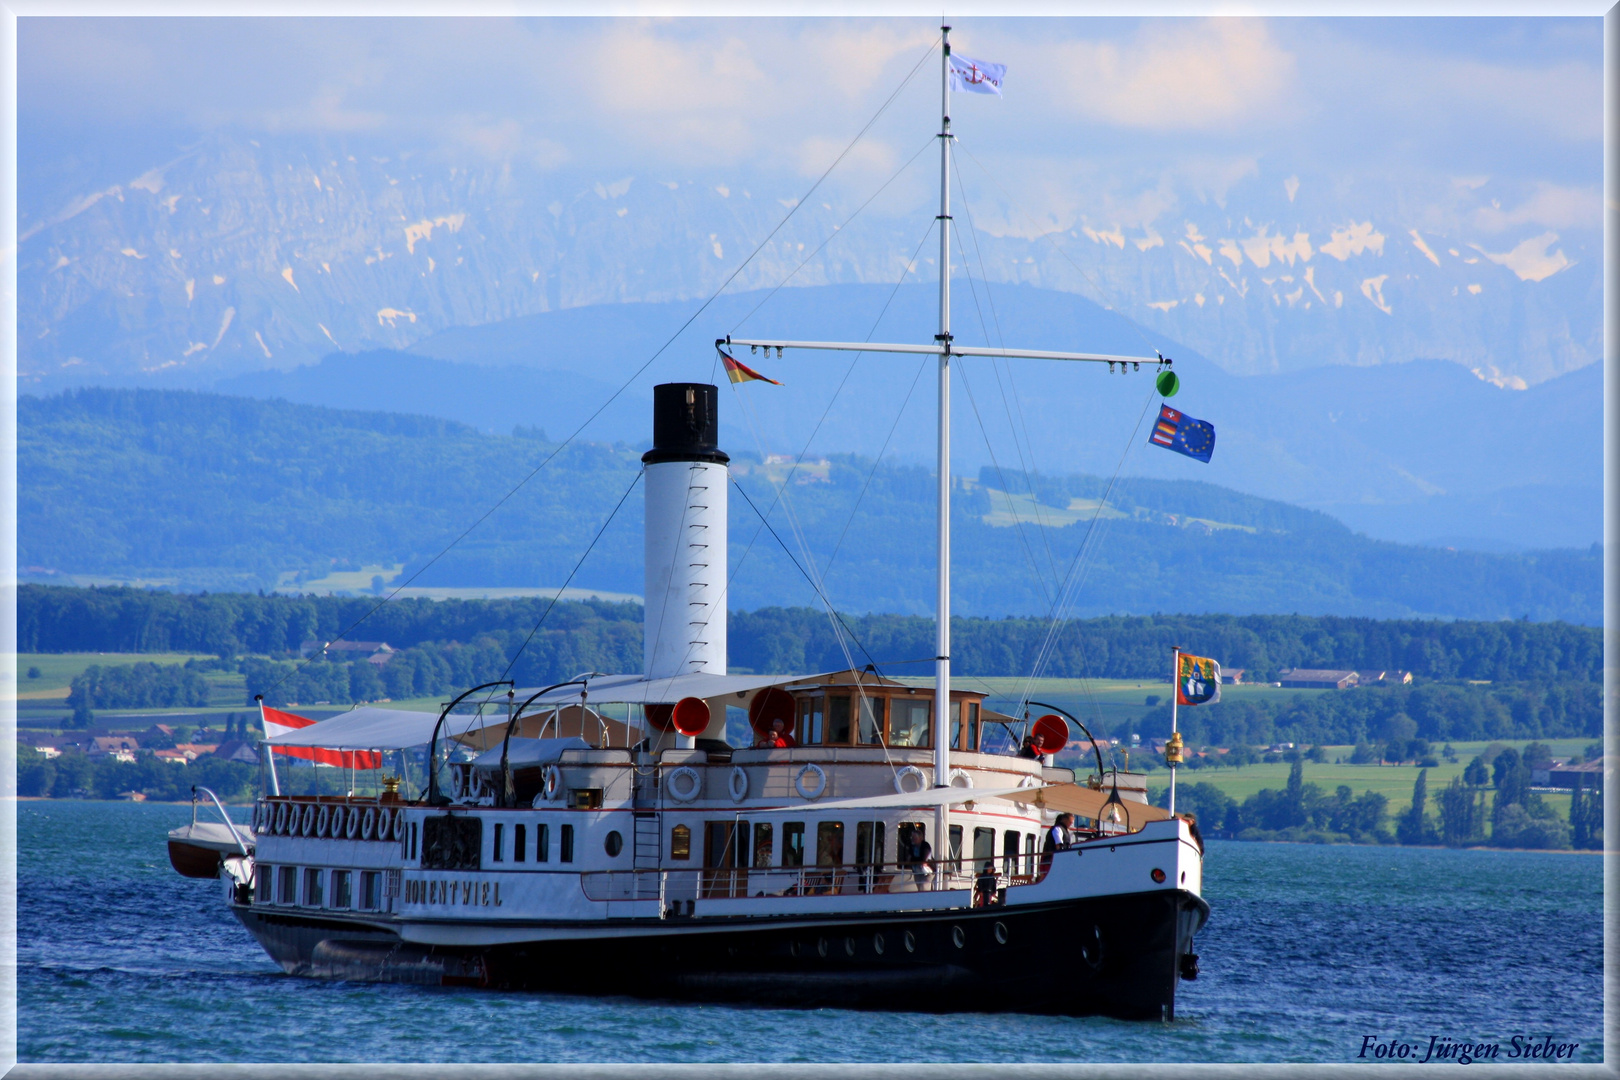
1034 747
1058 838
777 738
916 851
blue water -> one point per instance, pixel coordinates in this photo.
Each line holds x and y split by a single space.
1309 950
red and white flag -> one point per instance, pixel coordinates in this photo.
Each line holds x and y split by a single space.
277 722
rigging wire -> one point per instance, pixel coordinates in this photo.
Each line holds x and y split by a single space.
996 366
794 209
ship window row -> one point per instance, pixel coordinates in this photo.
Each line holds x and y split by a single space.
318 887
513 845
875 720
761 845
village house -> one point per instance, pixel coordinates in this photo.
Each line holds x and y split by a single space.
374 652
1232 676
1591 774
1316 679
118 747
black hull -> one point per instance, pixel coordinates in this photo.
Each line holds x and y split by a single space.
1117 956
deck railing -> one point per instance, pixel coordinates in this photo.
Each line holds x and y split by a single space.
986 879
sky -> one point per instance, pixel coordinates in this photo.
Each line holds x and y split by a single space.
1131 107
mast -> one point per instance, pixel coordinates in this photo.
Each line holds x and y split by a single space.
942 638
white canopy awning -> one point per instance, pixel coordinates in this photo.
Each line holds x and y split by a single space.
523 752
371 728
640 690
940 796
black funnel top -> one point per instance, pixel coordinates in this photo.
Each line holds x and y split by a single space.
686 424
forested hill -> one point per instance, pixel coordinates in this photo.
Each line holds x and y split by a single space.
607 637
208 491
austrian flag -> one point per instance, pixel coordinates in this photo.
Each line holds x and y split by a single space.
277 722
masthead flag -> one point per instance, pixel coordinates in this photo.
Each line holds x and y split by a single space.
277 722
737 371
976 76
1198 680
1177 431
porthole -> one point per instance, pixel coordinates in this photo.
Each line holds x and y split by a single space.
959 938
1001 933
821 946
849 946
613 844
911 941
877 944
793 948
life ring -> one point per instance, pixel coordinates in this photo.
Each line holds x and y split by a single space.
368 823
551 783
1029 782
821 780
738 784
322 818
684 773
306 820
399 824
959 778
904 774
351 827
279 825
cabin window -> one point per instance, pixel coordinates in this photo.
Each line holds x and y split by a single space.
762 843
954 853
370 890
411 854
829 843
810 715
565 844
542 843
613 844
500 842
838 720
984 849
869 843
1009 852
520 843
680 842
263 881
312 887
341 896
871 727
908 721
1029 853
913 837
793 843
287 887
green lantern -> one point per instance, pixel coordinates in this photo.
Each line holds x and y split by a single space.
1168 384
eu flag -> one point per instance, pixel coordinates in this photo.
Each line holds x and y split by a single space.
1179 432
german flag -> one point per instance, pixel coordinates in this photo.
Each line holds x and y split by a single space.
739 372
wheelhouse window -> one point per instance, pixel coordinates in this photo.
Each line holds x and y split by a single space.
520 843
965 737
871 725
810 720
839 727
763 842
793 843
680 842
908 721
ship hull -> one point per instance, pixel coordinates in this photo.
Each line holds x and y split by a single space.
1119 956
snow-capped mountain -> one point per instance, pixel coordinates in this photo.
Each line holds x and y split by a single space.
239 254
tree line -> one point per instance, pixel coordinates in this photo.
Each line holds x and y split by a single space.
607 636
1491 804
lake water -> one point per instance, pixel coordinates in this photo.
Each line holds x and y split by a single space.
1309 950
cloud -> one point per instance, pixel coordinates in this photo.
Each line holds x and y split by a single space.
1178 77
1549 206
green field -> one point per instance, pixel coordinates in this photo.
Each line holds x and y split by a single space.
43 701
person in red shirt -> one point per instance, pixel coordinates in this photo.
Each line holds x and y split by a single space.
778 738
